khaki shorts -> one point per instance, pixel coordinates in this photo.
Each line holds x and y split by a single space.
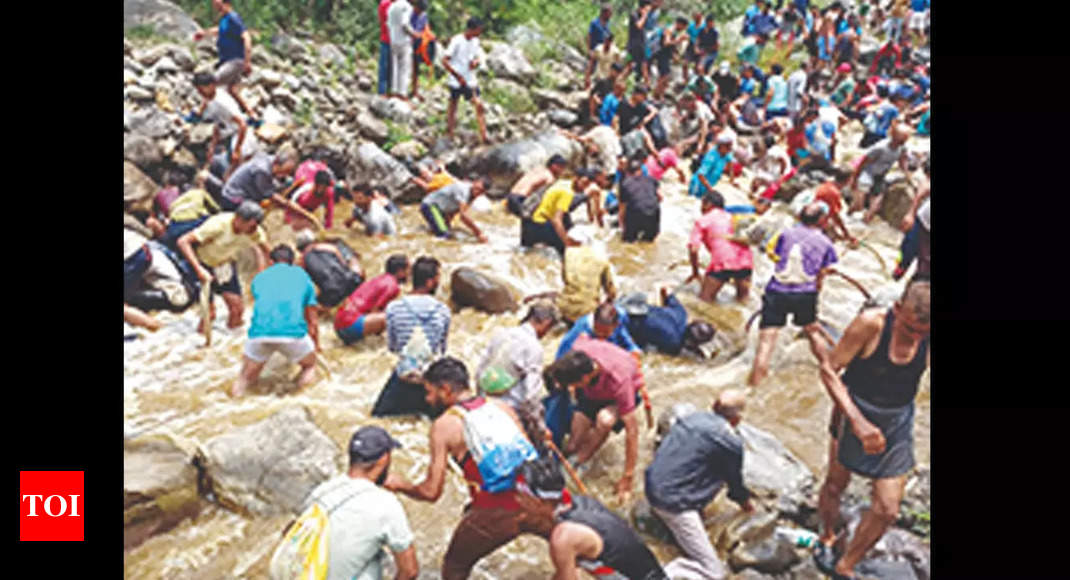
230 72
294 349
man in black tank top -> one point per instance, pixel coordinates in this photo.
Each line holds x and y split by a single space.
885 354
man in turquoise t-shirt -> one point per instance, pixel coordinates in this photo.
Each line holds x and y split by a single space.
713 165
284 320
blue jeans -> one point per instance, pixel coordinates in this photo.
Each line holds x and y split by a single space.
384 67
908 249
176 230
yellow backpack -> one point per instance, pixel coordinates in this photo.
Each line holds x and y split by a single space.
303 553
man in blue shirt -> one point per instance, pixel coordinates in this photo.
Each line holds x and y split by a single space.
596 35
880 119
712 167
748 17
284 320
608 322
665 327
235 47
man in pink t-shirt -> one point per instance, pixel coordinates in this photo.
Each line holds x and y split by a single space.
665 160
317 189
606 381
363 312
730 258
384 48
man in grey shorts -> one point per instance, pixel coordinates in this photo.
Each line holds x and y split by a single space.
284 320
701 453
235 47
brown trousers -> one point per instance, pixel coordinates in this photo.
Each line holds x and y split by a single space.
483 530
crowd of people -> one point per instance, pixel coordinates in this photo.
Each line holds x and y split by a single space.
513 425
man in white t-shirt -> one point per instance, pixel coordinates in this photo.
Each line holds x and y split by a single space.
463 57
399 23
693 106
363 516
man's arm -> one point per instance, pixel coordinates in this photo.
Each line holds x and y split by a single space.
622 213
311 317
861 330
609 283
471 224
563 551
449 69
559 227
430 489
408 567
631 455
693 255
185 246
737 492
247 40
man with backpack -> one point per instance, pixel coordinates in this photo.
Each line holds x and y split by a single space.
487 439
338 511
333 266
416 327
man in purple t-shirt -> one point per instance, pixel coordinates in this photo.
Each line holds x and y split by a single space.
804 257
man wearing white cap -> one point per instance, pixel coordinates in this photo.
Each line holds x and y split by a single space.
727 83
713 165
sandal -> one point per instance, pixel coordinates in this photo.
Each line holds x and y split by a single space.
825 560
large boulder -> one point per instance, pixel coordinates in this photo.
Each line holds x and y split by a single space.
165 18
269 467
288 46
159 488
393 109
470 287
772 555
770 470
141 151
508 61
150 122
370 163
138 189
505 163
525 37
332 55
898 197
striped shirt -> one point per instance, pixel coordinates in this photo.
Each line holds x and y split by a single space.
404 314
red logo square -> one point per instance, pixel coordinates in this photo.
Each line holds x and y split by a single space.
51 506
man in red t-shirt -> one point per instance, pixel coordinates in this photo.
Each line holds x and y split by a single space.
829 192
605 379
316 189
362 313
384 48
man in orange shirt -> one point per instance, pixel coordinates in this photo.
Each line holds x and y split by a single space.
829 192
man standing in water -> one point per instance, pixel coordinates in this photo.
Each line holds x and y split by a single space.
872 427
730 257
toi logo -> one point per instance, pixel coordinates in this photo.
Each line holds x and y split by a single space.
51 506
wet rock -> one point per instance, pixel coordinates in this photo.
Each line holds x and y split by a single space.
750 574
370 163
393 109
166 65
898 197
138 189
332 55
166 18
149 122
271 133
509 62
563 118
770 556
268 467
159 488
370 127
806 570
670 416
140 150
546 98
410 149
752 529
184 160
770 470
266 78
898 554
138 93
284 98
647 522
885 570
470 287
505 163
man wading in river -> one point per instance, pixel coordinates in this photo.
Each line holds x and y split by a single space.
872 427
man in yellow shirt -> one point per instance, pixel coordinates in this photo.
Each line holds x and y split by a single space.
586 272
550 222
188 211
218 242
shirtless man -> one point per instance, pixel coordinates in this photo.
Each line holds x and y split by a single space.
533 181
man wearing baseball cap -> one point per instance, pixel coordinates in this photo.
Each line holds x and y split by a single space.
363 516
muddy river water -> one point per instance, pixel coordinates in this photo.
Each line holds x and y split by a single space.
173 385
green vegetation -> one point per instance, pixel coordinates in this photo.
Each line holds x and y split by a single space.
512 102
303 114
921 522
395 134
145 33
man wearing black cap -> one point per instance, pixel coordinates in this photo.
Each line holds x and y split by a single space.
363 516
665 327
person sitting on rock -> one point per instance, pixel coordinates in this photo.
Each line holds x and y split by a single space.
234 44
212 248
333 266
730 257
804 256
606 381
154 278
511 365
533 181
284 320
355 547
585 533
232 143
417 328
317 188
373 210
665 327
550 220
362 313
440 207
701 453
499 511
872 427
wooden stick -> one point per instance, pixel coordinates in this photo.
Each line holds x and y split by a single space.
853 282
206 311
568 467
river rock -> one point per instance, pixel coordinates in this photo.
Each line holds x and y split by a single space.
508 61
138 93
505 163
166 66
524 36
129 78
159 488
138 189
669 417
411 149
284 98
470 287
266 78
369 126
288 46
141 150
149 122
770 470
546 98
370 163
271 133
332 55
770 556
393 109
898 197
166 18
184 160
646 521
269 467
898 554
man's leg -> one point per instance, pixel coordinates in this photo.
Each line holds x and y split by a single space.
766 342
603 426
828 503
581 427
136 317
250 372
817 341
882 513
691 535
451 117
874 207
308 370
374 323
234 308
384 67
710 287
478 104
480 532
742 289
